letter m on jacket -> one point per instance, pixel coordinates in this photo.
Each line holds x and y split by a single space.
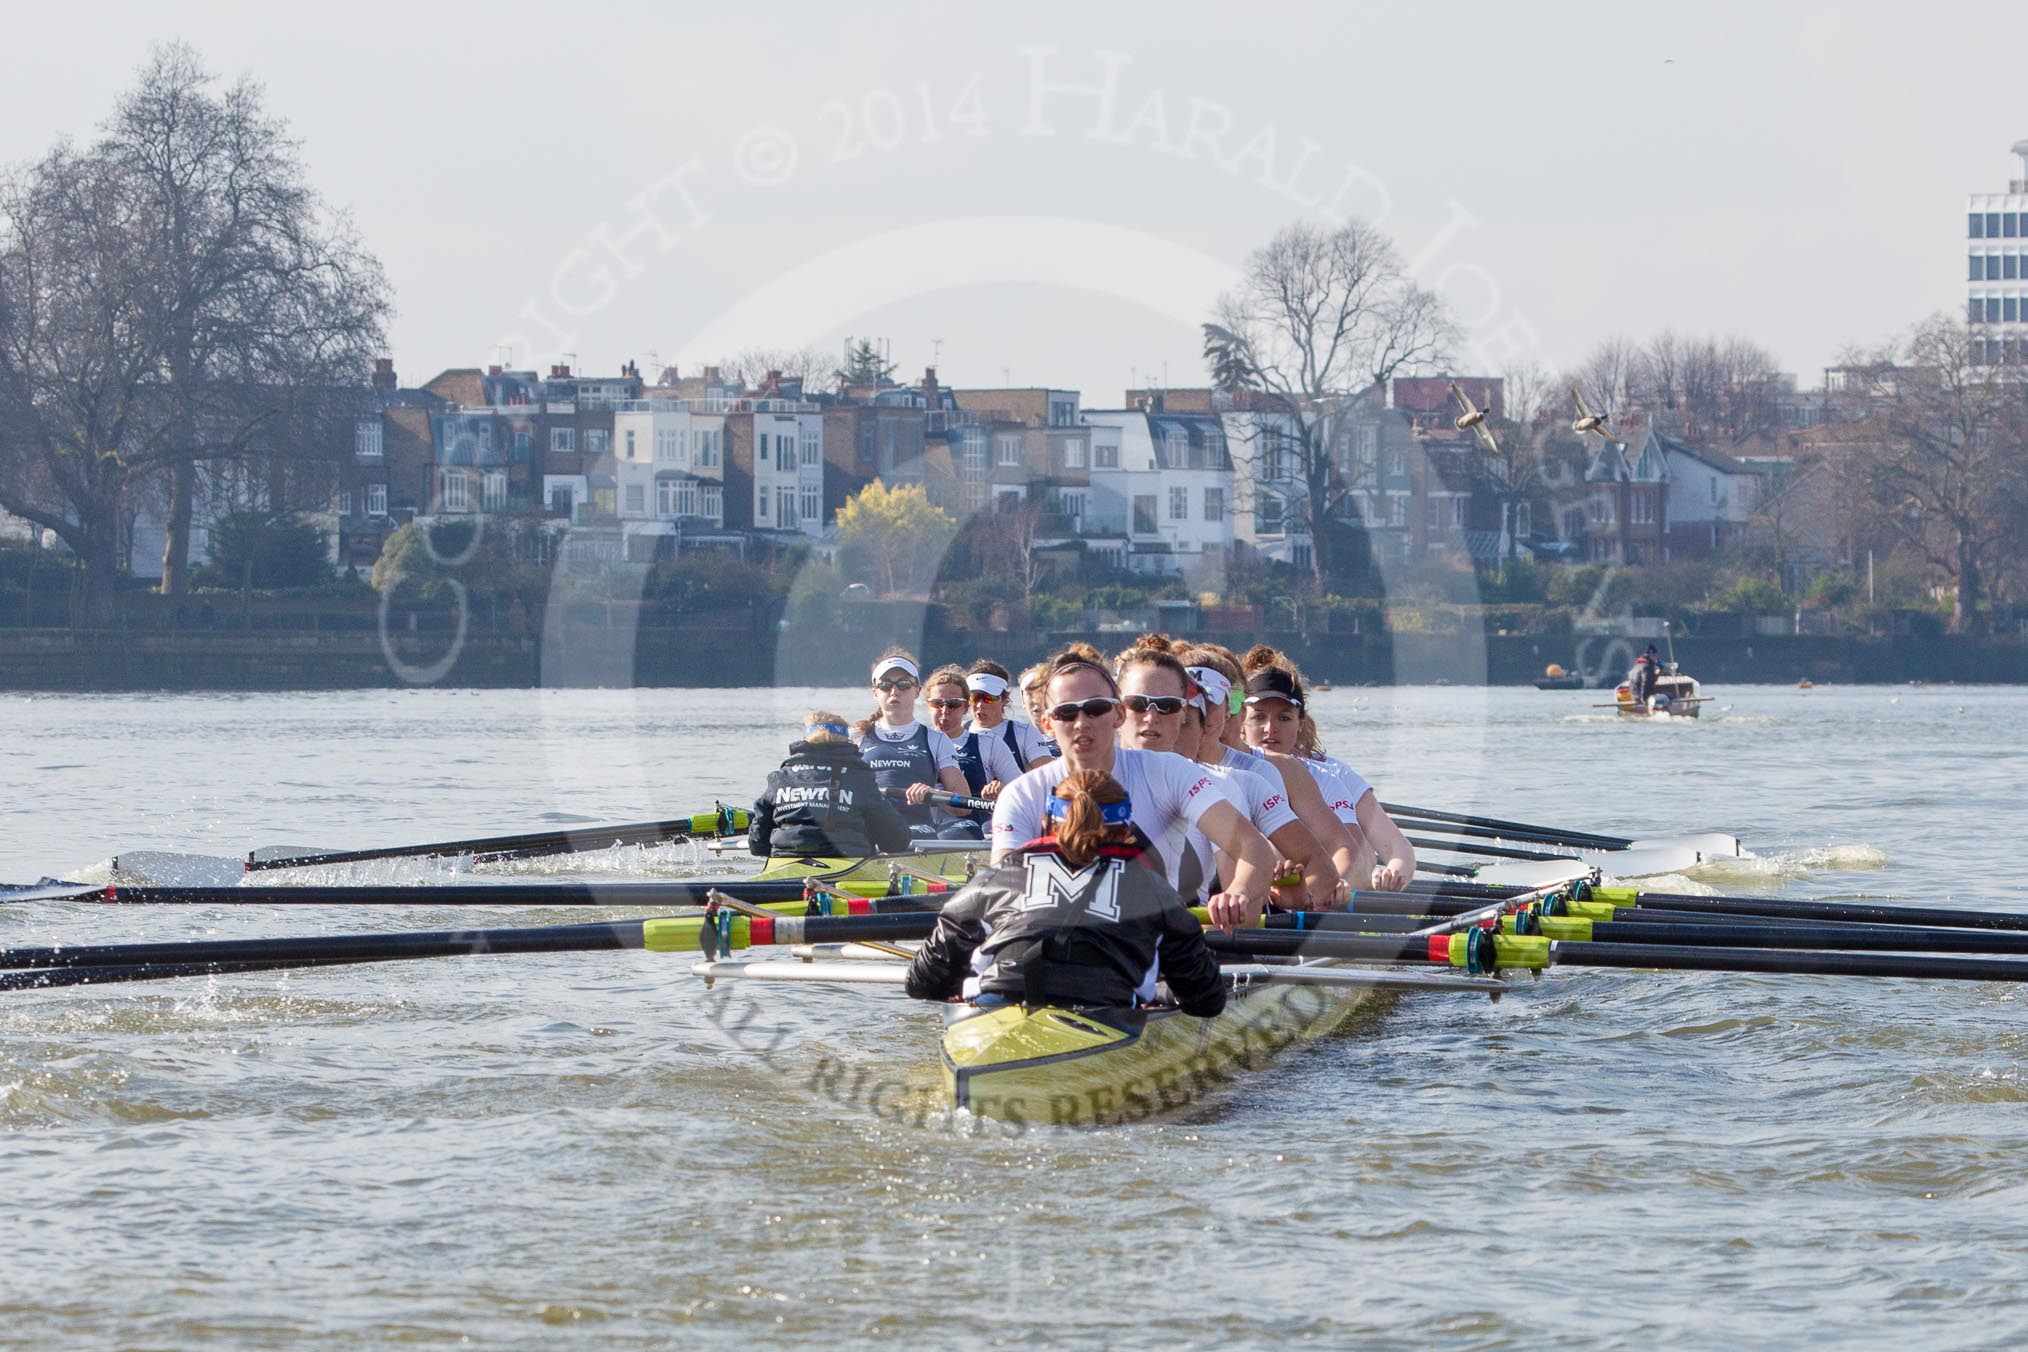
1054 885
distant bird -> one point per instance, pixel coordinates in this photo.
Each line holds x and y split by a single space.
1473 419
1587 421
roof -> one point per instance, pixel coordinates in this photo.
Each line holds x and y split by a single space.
1717 460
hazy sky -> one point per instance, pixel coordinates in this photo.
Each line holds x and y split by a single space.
1056 192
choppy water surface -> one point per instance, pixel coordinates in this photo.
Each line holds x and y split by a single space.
515 1150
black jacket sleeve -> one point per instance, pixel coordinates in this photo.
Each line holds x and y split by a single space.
762 828
940 966
1188 967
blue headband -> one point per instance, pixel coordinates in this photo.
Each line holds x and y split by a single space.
1113 814
839 728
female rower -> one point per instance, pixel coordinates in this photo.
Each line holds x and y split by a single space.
1158 695
1169 794
902 753
1034 699
985 762
823 801
1071 918
1215 673
988 685
1274 722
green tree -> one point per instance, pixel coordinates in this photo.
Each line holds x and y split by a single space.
894 537
266 550
863 365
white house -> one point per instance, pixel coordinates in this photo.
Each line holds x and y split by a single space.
1711 497
669 460
788 466
1162 482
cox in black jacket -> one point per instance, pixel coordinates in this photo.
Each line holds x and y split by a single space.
1058 935
823 801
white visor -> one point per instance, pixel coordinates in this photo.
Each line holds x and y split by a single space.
1212 682
887 664
985 682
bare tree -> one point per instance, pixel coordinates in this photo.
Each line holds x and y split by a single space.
173 294
1949 473
1319 319
1608 377
816 367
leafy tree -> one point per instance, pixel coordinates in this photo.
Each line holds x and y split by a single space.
266 550
893 536
863 365
1751 596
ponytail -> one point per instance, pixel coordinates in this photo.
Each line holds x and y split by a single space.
1082 828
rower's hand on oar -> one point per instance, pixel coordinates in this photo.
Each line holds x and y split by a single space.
1389 878
991 790
1232 910
917 794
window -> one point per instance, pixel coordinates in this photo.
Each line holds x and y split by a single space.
1106 456
710 502
1432 510
376 499
1267 515
597 441
813 504
760 448
453 491
1524 525
630 443
1214 504
1397 463
1975 310
2010 264
1144 514
366 442
524 440
785 504
1175 448
760 509
665 497
866 443
710 441
1397 509
1992 225
560 500
1992 309
2010 311
1457 513
562 439
1063 413
637 498
1179 503
1978 269
665 446
2010 225
813 448
1978 226
344 504
493 491
1073 453
1215 454
1009 450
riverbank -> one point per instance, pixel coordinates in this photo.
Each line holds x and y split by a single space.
704 655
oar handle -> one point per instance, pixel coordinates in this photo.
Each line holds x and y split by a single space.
939 798
720 821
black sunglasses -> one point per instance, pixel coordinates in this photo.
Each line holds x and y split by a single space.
947 703
903 684
1161 704
1097 707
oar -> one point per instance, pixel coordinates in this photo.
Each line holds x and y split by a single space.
1473 847
1623 899
711 934
1541 836
940 798
722 821
463 894
1575 839
1711 931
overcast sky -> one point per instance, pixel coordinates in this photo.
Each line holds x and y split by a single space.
1057 192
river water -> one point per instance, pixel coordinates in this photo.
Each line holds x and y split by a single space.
523 1151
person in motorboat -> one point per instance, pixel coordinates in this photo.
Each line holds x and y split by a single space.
1077 916
1641 680
1169 794
904 753
823 800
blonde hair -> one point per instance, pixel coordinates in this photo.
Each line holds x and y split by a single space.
821 736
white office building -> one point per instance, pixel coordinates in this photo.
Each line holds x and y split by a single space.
1997 254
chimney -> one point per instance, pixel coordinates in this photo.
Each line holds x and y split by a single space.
930 390
383 373
492 370
559 372
711 375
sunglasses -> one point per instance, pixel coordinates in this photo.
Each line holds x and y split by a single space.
903 684
1161 704
979 696
947 703
1098 707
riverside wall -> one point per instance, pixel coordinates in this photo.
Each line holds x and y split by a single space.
743 655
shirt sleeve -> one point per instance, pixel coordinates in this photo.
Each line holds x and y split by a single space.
1268 805
1033 743
1337 794
1191 787
998 759
942 751
1017 813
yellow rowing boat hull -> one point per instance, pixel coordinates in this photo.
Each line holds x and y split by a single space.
1081 1067
871 876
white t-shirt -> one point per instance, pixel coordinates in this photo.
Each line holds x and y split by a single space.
940 747
1342 786
1233 757
1034 745
1259 801
1169 794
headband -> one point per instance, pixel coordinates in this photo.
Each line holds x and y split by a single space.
838 728
1212 682
897 663
985 682
1114 814
1269 683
